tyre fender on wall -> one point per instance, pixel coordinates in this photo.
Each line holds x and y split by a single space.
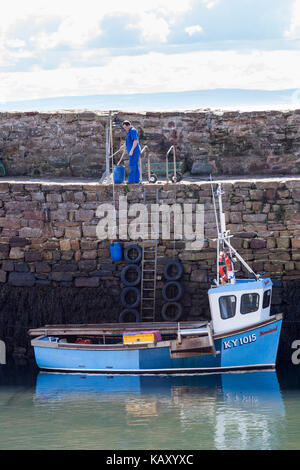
133 253
168 309
173 265
132 292
125 275
129 313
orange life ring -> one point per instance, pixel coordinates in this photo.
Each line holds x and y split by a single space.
225 267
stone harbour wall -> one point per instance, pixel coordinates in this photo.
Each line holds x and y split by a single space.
73 143
54 269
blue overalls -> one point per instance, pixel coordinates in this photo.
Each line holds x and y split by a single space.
134 175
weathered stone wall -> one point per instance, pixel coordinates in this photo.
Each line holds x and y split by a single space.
53 269
221 143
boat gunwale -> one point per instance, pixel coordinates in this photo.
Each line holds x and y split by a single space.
113 328
38 342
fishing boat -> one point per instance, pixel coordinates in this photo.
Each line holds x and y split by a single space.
242 334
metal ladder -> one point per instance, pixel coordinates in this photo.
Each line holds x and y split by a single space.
149 266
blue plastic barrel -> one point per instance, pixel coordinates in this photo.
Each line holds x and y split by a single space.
119 174
116 251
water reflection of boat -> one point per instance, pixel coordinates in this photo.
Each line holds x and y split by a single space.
242 408
253 411
242 334
255 387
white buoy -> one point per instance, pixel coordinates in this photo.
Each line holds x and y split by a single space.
2 352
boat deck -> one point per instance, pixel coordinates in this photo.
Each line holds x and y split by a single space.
112 328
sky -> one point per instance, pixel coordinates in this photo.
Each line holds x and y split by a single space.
79 48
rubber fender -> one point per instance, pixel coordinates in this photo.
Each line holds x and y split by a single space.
168 268
153 178
135 293
176 291
167 315
125 275
133 253
129 312
178 177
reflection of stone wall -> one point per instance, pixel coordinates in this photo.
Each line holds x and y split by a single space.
73 143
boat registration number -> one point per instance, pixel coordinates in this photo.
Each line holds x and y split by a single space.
233 343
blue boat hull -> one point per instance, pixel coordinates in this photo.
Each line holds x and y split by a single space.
251 349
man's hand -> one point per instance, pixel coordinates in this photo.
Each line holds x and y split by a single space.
122 147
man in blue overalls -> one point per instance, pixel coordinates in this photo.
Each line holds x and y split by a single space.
134 150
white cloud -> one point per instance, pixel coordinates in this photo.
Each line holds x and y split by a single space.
210 3
294 29
156 72
80 21
191 30
152 27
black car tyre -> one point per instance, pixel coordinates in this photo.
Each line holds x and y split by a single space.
131 275
127 314
172 291
171 311
130 297
133 253
173 270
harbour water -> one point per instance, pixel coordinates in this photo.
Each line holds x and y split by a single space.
244 411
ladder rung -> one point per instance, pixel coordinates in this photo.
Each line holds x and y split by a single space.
148 298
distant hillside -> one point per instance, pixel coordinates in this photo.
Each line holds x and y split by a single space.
219 98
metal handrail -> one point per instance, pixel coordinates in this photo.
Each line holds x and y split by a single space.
167 164
145 149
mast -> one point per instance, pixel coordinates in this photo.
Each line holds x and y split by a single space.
224 239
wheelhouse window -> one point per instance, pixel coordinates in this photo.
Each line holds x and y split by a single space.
249 303
227 305
267 298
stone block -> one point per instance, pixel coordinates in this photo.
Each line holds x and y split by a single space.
199 275
18 241
87 282
29 232
21 267
21 279
42 267
84 215
16 253
296 243
283 242
73 232
257 243
7 265
32 256
61 276
65 245
90 254
3 276
65 267
53 197
87 265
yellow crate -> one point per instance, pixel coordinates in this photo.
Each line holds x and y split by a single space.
139 338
